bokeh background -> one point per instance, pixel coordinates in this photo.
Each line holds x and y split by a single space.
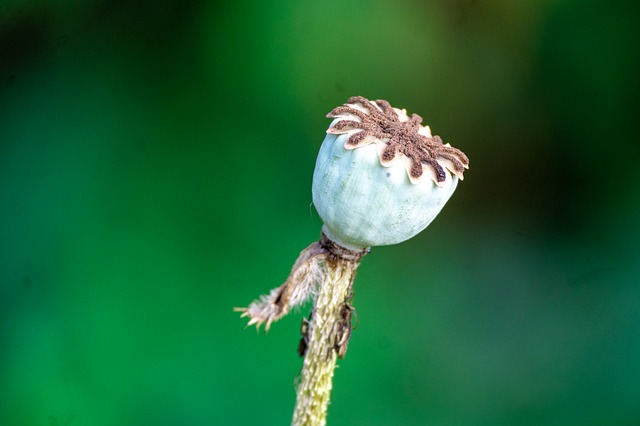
155 171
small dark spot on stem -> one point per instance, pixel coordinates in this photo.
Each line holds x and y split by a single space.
304 331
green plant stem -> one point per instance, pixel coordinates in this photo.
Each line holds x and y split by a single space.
327 333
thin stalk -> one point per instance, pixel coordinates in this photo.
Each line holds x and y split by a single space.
327 335
325 272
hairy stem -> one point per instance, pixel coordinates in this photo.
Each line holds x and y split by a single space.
325 271
329 331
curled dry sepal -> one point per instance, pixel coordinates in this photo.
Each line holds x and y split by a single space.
296 290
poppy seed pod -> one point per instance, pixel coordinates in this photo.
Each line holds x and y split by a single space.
380 176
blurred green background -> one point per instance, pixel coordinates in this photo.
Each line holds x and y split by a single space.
155 171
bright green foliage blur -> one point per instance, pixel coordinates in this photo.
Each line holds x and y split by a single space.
155 171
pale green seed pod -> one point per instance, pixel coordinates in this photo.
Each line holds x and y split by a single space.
380 176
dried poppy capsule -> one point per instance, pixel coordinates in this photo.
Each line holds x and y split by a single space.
381 177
